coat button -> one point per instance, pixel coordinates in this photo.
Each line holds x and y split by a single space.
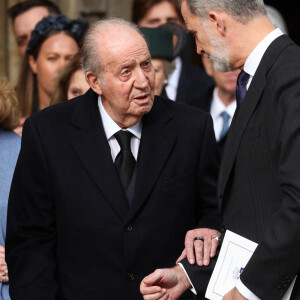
130 276
129 227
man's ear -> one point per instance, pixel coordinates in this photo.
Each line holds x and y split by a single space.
218 21
94 82
32 63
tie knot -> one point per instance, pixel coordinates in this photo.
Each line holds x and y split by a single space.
225 116
243 78
123 137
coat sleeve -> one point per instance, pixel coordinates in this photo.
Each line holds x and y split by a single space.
31 223
207 176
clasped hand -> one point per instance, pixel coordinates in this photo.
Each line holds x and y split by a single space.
170 284
3 266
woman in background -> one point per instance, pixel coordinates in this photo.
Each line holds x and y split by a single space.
9 150
71 81
165 42
54 41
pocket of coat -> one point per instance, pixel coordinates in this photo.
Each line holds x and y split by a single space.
250 135
177 183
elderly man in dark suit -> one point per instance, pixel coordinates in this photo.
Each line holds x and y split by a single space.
258 186
107 184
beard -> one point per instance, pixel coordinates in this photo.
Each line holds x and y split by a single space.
219 51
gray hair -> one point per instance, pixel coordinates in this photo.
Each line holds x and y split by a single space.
91 57
276 18
241 10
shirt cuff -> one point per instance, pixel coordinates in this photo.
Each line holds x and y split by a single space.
192 289
245 291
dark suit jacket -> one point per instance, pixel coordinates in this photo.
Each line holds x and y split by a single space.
204 102
259 181
193 81
71 233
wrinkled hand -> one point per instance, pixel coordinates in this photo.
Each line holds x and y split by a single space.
204 250
3 266
234 294
165 284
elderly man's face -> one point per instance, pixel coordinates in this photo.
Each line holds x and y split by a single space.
127 84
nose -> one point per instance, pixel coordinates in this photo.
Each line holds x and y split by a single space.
61 63
141 79
199 48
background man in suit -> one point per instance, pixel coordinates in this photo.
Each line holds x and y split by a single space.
258 186
219 100
107 184
25 15
187 81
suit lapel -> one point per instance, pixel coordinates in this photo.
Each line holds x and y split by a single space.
91 146
156 144
241 119
239 123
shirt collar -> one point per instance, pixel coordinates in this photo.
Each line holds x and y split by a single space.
174 76
111 127
217 106
256 55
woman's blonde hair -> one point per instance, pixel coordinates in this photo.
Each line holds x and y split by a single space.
9 111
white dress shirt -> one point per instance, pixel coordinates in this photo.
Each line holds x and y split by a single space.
111 127
250 67
173 80
216 109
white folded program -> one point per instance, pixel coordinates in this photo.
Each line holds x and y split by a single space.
233 257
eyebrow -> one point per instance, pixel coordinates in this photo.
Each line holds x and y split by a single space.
154 20
132 63
127 65
147 58
21 37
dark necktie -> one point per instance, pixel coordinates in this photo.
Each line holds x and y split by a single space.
125 161
225 127
241 87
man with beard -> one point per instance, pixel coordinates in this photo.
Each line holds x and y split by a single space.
258 187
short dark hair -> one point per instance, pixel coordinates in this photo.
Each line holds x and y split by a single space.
141 7
24 6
